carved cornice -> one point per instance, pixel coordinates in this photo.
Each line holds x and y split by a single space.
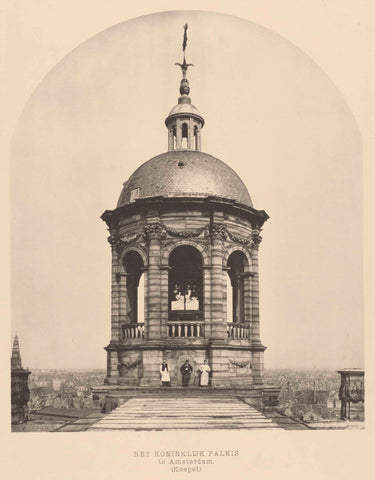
258 217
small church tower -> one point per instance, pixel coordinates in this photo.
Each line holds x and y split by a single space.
20 392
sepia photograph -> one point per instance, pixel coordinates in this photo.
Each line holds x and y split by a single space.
186 242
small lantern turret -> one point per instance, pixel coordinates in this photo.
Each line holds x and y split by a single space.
184 122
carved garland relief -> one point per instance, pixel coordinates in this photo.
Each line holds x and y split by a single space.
158 230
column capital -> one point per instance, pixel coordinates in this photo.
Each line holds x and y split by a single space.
154 231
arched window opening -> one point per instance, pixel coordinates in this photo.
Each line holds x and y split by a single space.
133 266
184 135
185 284
236 264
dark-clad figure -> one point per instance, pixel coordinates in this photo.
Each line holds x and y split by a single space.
186 370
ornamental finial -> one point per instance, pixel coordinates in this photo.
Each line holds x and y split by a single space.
184 86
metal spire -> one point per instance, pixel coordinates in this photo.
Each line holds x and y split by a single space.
184 86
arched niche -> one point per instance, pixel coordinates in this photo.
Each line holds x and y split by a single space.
185 284
237 266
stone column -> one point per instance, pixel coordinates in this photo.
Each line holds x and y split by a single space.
199 146
170 139
112 366
257 365
207 300
154 232
255 330
225 297
117 309
218 322
164 300
218 325
191 134
257 347
178 134
247 300
119 294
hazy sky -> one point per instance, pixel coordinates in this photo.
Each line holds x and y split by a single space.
271 114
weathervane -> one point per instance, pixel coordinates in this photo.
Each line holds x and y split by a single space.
184 87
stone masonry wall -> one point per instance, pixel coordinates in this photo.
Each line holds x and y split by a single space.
154 234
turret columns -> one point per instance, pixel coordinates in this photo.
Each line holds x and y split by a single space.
178 134
170 139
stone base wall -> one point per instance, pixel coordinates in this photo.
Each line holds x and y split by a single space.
229 367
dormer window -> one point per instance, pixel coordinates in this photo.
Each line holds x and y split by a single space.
134 194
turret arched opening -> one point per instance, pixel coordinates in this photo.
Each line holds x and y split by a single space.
237 266
133 268
185 284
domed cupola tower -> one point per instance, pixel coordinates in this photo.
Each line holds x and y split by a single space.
184 122
185 286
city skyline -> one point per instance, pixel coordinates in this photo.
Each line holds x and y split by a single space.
84 129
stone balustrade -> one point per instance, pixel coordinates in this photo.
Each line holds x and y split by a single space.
133 330
186 329
238 330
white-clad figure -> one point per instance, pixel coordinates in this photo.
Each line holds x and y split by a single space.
164 374
205 370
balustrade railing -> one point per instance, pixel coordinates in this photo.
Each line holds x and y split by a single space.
237 330
185 316
186 329
133 330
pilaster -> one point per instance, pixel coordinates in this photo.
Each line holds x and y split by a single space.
154 232
218 324
112 367
257 366
116 303
255 330
247 299
164 300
